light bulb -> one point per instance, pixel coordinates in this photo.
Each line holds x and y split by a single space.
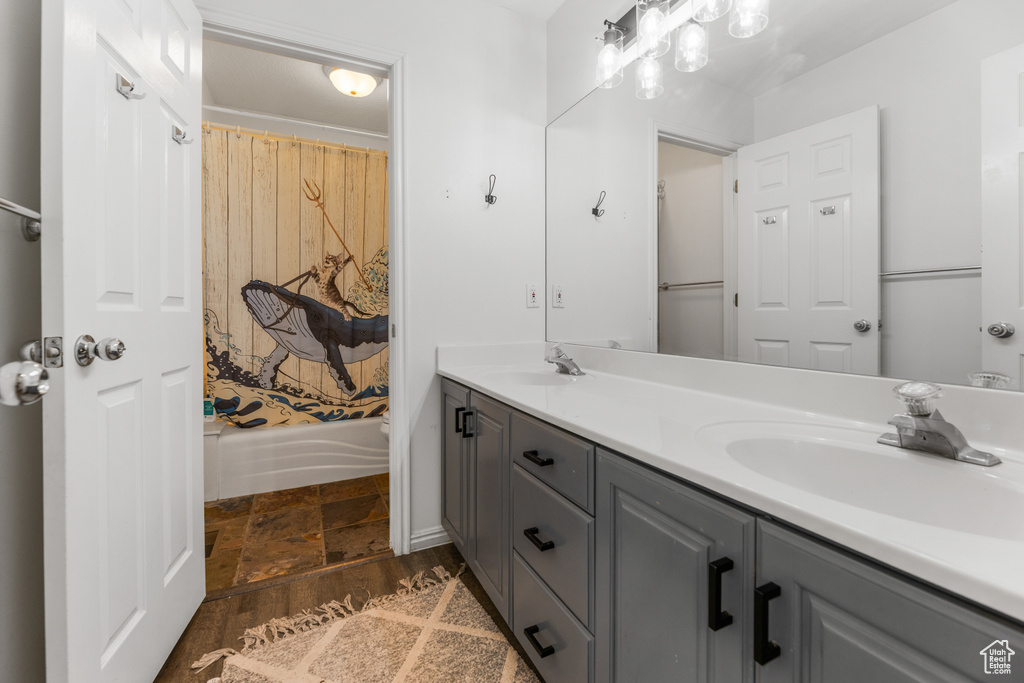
648 79
709 10
691 47
652 27
609 60
748 18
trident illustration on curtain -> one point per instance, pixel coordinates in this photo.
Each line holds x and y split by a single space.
296 279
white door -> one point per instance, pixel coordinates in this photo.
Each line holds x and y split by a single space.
1002 149
124 559
807 247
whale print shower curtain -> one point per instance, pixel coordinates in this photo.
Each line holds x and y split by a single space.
296 279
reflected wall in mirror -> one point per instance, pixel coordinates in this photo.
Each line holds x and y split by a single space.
898 277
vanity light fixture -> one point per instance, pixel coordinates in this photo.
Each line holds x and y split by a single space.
352 83
609 59
691 47
654 25
748 18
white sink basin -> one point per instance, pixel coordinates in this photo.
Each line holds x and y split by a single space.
540 377
847 466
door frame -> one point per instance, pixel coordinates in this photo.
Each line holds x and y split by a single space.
243 30
667 131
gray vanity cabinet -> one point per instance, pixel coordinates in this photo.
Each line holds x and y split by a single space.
674 570
838 619
477 467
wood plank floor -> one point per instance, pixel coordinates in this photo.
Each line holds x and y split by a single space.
220 623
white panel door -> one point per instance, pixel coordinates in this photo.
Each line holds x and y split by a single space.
1002 149
807 247
121 258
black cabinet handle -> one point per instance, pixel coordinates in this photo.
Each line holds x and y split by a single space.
765 650
458 415
530 631
531 534
466 434
535 458
717 618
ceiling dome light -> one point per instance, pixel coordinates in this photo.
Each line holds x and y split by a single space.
691 47
351 82
748 18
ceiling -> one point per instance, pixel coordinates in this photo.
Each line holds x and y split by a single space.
240 78
540 9
802 36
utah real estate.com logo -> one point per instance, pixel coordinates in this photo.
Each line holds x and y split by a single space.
997 657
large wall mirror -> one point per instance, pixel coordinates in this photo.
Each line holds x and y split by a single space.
875 146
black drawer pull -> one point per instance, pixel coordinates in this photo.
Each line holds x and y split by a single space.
531 534
466 434
765 649
535 458
458 415
717 618
530 631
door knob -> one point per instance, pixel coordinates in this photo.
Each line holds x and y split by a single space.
22 382
862 326
1001 330
88 349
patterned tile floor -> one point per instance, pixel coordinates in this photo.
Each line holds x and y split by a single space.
254 538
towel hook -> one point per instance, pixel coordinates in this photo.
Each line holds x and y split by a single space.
489 197
597 210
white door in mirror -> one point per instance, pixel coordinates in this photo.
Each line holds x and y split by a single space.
808 229
1002 148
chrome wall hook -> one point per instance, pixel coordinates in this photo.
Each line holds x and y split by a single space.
597 210
489 197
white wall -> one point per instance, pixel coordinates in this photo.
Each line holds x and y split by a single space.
926 77
21 474
609 142
474 105
691 320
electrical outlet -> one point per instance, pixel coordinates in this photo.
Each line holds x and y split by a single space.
557 297
532 300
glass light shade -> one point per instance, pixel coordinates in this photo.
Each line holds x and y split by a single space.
709 10
648 78
609 60
691 47
748 18
652 35
353 83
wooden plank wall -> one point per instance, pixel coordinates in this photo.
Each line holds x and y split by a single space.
259 226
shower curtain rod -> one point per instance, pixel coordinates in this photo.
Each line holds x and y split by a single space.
266 135
285 119
927 271
30 224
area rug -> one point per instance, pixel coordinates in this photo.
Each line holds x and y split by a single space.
431 630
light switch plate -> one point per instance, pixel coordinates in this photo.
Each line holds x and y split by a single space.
557 297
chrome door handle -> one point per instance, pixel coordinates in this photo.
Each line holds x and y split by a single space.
862 326
1001 330
88 349
22 382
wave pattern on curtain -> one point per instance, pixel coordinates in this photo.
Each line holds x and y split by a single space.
293 333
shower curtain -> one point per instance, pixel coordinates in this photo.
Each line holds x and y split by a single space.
295 278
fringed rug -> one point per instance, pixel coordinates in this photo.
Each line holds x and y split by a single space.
431 630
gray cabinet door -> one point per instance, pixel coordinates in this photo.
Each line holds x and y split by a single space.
490 498
839 619
455 507
655 541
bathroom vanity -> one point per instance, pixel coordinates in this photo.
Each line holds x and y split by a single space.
617 527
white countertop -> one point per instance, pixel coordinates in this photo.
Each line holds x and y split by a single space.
667 426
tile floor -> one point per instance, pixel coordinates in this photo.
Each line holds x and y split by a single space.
253 538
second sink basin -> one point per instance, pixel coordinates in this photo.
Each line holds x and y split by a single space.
847 466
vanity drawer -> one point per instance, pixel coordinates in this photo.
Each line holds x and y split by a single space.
559 459
567 566
562 650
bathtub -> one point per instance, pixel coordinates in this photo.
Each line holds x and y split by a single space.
239 462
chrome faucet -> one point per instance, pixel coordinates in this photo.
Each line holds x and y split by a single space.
563 364
924 429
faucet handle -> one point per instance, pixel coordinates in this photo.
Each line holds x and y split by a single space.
918 396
